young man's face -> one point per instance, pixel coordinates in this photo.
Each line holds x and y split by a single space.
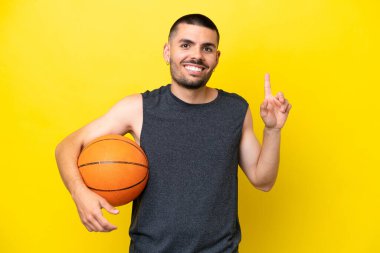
193 55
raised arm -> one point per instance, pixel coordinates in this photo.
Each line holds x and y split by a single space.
124 117
260 163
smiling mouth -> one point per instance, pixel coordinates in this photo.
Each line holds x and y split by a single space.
193 68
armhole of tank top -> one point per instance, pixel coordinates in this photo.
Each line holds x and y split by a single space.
142 123
245 109
139 201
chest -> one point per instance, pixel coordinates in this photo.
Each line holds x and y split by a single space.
191 137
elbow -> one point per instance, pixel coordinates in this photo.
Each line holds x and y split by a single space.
60 146
264 188
58 150
68 142
262 183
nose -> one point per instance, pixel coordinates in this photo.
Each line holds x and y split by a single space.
197 53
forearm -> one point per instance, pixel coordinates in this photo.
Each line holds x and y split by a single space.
268 162
66 155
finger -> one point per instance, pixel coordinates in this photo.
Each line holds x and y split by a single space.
280 97
264 108
106 225
89 227
284 109
264 105
92 224
95 222
284 106
267 88
86 222
288 108
104 204
277 102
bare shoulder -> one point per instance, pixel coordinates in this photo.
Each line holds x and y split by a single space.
124 117
127 114
131 104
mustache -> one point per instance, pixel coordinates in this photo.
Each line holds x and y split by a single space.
197 62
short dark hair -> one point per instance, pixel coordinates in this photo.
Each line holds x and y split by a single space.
194 19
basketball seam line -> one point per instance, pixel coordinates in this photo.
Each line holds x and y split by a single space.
114 139
110 162
121 189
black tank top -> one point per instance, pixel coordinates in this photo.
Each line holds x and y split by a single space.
189 204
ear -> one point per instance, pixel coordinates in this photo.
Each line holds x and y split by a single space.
166 53
217 57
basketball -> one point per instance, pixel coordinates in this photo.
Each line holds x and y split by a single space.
114 167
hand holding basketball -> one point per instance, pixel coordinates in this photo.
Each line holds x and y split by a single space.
274 110
115 170
89 206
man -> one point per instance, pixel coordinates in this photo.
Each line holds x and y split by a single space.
194 137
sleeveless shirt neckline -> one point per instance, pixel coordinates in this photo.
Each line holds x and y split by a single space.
180 101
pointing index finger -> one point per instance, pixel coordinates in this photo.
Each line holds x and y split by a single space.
267 88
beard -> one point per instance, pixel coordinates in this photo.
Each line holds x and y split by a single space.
189 84
181 80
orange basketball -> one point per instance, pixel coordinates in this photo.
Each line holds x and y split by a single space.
114 167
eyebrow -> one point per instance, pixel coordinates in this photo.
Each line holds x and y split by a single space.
207 44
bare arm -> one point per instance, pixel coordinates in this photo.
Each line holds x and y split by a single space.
124 117
260 163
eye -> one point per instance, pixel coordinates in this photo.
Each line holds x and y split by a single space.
208 49
185 45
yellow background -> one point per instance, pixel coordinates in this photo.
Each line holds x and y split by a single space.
65 63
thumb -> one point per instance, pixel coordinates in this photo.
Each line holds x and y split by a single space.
104 204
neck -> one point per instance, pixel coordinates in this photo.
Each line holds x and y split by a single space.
198 96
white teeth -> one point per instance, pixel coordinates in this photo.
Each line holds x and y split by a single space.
192 68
